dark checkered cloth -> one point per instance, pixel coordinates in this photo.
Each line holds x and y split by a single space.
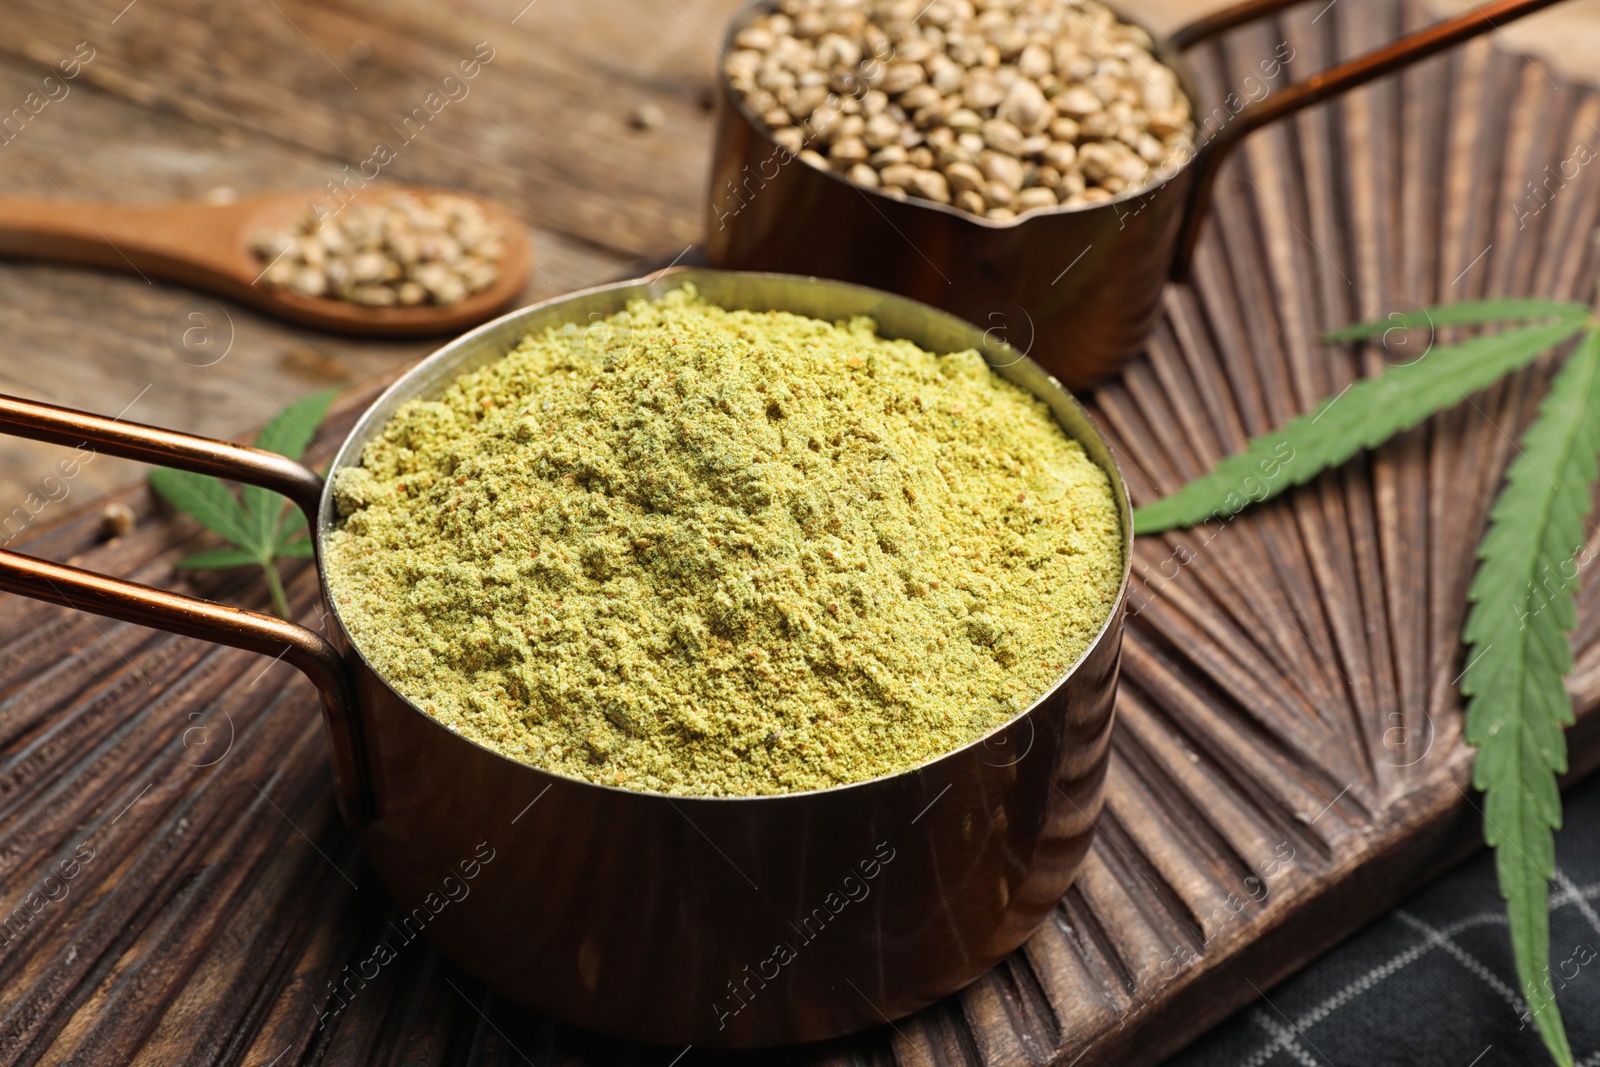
1431 984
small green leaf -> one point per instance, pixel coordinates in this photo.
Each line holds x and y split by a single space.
288 435
208 500
1520 655
295 426
1469 314
261 509
219 559
258 529
300 548
293 522
1365 415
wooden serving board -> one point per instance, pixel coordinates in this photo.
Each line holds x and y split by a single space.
1287 762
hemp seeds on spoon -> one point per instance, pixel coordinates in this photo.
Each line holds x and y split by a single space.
400 250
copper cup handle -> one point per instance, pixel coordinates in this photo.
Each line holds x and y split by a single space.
1315 89
82 590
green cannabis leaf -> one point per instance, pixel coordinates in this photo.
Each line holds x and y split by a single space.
261 527
1475 313
1370 411
1522 596
1521 613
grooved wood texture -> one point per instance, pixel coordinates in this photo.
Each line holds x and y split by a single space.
1288 757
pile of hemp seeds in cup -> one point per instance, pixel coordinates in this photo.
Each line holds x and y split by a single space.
996 107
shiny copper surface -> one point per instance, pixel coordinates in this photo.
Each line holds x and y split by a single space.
151 444
1076 288
269 635
717 922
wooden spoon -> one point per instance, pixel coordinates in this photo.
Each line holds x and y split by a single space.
208 246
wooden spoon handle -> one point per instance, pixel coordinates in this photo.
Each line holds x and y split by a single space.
60 232
180 242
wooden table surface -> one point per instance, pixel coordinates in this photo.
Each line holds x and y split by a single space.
1234 735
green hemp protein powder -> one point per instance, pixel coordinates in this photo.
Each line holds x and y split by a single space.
723 553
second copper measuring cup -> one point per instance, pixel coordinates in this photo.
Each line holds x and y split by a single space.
1076 288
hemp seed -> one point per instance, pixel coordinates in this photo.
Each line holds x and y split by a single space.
401 249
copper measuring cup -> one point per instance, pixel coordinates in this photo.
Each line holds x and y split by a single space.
1076 288
727 922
